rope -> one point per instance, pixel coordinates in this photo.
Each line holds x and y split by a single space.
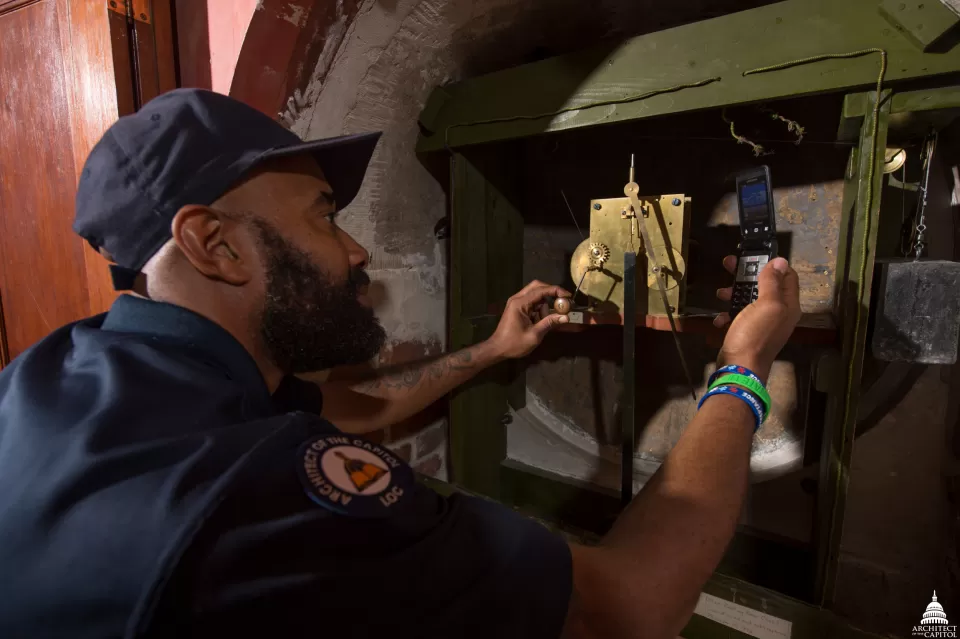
757 149
792 125
861 289
588 105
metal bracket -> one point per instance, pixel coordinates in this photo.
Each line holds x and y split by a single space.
136 10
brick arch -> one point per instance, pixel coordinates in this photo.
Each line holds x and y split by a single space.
287 43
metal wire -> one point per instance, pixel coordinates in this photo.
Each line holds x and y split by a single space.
588 105
676 138
572 216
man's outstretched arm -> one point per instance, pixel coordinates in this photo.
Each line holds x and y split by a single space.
398 393
645 577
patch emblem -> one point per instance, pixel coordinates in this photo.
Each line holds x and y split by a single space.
352 476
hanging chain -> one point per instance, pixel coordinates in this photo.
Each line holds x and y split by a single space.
920 233
903 207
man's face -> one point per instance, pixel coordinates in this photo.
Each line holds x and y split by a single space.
316 312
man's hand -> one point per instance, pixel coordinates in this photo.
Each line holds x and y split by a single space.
526 320
762 328
644 578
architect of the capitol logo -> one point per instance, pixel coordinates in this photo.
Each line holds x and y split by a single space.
934 622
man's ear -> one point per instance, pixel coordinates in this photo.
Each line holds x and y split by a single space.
216 245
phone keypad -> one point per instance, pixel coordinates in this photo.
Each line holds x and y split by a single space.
744 293
749 267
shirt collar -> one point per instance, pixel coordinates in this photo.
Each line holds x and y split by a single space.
178 325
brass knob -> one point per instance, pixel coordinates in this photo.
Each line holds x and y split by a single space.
562 305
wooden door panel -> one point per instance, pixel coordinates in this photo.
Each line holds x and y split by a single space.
64 70
42 270
92 98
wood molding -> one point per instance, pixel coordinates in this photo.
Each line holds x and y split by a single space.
123 71
144 60
153 46
6 6
163 27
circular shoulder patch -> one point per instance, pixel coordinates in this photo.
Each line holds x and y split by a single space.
352 476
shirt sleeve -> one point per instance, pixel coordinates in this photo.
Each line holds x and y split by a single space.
272 562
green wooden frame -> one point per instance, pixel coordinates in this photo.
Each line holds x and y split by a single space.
721 48
841 419
487 223
487 233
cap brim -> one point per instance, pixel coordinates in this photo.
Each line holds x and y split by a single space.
344 161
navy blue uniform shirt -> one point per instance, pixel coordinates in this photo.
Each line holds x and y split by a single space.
149 487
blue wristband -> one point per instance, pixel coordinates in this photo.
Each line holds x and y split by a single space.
734 370
747 398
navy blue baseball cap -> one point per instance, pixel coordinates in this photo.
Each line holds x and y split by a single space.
189 146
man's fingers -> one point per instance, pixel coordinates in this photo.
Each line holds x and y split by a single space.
730 263
721 320
791 287
725 294
549 323
770 282
530 296
533 284
539 311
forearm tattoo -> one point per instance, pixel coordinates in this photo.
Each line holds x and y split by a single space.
407 376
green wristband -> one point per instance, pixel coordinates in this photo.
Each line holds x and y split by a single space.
750 384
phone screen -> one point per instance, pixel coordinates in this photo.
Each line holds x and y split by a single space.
753 201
